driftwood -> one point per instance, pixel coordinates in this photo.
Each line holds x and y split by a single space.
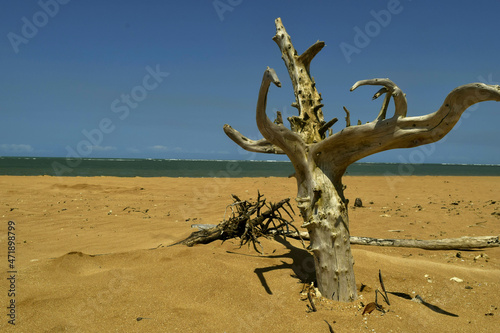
243 225
436 244
211 232
320 161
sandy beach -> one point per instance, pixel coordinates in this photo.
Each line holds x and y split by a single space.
91 255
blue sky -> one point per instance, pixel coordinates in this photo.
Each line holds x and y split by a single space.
159 79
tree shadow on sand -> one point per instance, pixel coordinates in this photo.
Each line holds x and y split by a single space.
304 270
302 265
419 299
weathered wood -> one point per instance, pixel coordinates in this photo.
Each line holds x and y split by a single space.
257 146
327 126
347 117
461 243
204 236
356 142
307 98
320 161
432 244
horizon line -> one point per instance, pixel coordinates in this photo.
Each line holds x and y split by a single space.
229 160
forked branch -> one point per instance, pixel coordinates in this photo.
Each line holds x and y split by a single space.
309 54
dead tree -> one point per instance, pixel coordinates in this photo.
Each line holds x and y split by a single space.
320 161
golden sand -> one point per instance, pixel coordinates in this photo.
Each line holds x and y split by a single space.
91 256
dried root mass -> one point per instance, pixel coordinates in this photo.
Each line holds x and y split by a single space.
248 221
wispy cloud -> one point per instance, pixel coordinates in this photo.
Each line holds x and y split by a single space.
103 148
159 148
165 148
16 148
133 150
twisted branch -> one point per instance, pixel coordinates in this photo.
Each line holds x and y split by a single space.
391 90
356 142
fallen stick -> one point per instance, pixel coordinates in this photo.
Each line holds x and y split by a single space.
438 244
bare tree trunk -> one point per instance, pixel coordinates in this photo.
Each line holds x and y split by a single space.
321 161
324 210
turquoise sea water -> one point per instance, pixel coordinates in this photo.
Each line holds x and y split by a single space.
35 166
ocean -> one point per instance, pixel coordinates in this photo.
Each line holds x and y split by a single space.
88 167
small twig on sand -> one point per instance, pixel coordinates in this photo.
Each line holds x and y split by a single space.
309 296
386 298
329 327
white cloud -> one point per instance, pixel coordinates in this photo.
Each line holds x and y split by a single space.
101 148
16 148
159 148
165 148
